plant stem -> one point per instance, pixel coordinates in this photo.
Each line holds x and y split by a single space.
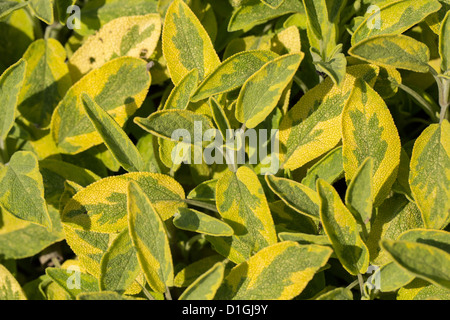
3 152
361 283
201 204
424 103
444 91
352 285
167 294
144 289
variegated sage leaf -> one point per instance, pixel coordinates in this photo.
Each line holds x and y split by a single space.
232 73
205 287
43 9
10 289
396 51
444 46
103 295
392 277
101 207
163 124
337 294
220 118
22 189
297 196
186 44
430 175
117 141
119 265
395 216
342 229
119 87
420 289
262 91
8 7
65 278
314 125
395 18
195 221
149 238
10 84
278 272
424 261
181 95
242 204
369 131
273 3
254 12
97 13
359 194
47 81
193 271
330 168
135 36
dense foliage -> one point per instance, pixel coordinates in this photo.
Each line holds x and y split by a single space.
350 200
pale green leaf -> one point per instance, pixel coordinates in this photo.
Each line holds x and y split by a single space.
149 239
9 287
205 287
22 189
195 221
117 141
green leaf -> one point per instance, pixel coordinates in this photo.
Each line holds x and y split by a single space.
61 7
89 246
335 66
304 238
103 295
117 141
297 196
392 277
206 191
205 287
118 87
396 51
394 18
8 7
444 46
330 168
56 173
186 44
429 176
22 189
96 13
149 239
134 36
262 91
9 287
195 221
119 265
273 3
101 207
420 289
369 131
435 238
73 282
342 230
254 12
359 194
287 219
280 271
10 84
20 239
163 124
422 260
181 94
337 294
314 125
43 9
220 118
46 81
242 204
395 216
233 73
189 274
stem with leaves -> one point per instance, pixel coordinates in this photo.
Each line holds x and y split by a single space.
444 91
